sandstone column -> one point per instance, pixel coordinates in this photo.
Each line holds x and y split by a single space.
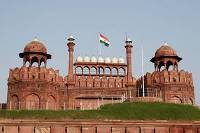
129 47
70 45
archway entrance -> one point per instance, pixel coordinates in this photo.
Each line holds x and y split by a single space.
175 100
32 102
14 102
51 103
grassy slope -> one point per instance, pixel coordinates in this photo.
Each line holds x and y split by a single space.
134 111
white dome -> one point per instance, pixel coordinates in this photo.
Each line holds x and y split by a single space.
129 40
86 59
93 59
79 59
107 60
114 60
100 59
121 60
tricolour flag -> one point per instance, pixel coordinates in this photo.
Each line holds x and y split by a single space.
104 40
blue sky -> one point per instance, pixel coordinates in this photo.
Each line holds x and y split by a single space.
148 23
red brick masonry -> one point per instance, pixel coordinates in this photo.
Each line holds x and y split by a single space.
98 126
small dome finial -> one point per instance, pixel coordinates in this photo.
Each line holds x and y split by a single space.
165 43
128 40
70 38
35 39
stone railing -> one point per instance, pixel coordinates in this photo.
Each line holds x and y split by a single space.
146 99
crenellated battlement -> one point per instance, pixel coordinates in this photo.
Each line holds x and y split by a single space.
34 74
169 77
101 82
94 81
172 86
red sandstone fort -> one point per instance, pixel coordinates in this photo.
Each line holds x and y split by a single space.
92 82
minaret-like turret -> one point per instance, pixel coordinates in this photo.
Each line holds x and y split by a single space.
165 57
70 45
35 51
129 47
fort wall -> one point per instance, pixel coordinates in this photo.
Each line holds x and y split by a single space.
35 73
172 86
34 88
94 126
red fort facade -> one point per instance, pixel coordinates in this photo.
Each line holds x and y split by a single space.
92 82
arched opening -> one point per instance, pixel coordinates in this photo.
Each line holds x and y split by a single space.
175 99
86 70
101 71
161 66
27 63
42 62
33 76
114 71
176 66
170 66
93 71
34 61
14 102
190 101
51 103
107 71
121 71
79 70
32 102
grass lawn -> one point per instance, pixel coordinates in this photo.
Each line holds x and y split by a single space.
123 111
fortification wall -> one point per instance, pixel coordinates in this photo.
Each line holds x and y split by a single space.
34 88
97 82
95 126
35 73
172 86
164 76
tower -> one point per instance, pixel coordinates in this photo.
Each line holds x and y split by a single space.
34 87
70 45
167 82
129 47
35 51
165 57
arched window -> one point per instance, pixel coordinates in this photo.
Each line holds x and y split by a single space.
121 71
27 63
93 71
107 71
114 71
34 61
86 70
79 70
161 66
101 70
169 66
42 62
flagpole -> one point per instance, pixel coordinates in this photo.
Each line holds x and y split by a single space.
143 94
99 46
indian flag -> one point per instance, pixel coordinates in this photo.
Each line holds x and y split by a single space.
104 40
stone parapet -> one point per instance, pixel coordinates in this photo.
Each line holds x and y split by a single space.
98 126
34 74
